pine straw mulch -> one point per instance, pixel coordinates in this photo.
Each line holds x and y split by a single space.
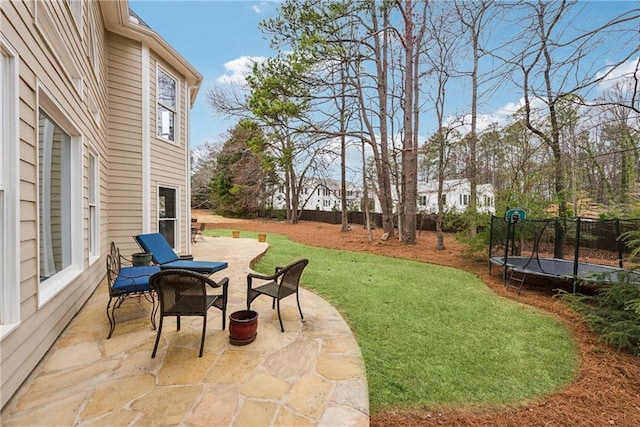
605 392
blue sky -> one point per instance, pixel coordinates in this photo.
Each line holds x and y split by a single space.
217 37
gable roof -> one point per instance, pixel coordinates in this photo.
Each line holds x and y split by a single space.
121 20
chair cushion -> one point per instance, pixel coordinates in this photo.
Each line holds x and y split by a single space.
158 246
198 266
133 279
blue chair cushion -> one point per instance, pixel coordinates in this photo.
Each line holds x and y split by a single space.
133 279
160 249
197 266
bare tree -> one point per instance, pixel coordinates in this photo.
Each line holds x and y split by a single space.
441 59
415 26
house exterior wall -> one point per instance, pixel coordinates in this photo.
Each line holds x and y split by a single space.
457 193
65 85
125 190
91 70
170 160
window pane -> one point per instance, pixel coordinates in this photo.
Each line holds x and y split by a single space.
167 214
165 123
94 226
92 179
168 198
166 90
167 229
54 197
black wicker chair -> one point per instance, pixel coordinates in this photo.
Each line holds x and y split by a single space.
183 293
280 285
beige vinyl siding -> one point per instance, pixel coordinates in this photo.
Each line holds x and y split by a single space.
105 108
125 140
168 160
23 347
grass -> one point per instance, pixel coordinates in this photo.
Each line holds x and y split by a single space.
431 335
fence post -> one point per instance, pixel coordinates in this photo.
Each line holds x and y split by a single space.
576 254
620 243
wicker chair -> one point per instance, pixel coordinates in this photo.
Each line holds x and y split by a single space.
198 232
127 282
183 293
284 282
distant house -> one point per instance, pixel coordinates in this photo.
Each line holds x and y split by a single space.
319 194
456 194
95 148
324 195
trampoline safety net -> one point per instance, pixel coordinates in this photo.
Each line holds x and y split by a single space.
576 240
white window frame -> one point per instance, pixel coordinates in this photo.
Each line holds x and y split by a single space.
174 111
50 287
93 199
93 53
9 189
76 8
176 219
48 28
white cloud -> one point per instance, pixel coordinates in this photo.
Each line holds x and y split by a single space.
621 74
238 69
502 116
261 7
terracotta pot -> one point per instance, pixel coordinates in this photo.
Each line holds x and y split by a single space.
235 234
262 237
243 327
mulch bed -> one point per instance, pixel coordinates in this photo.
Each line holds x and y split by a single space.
606 391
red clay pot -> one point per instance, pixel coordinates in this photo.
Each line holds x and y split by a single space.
243 327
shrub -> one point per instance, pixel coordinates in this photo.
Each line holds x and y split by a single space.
613 312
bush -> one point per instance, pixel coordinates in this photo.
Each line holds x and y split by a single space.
613 312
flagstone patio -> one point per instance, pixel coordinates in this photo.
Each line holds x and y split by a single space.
310 375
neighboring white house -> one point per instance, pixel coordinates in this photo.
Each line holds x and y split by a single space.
94 142
456 194
322 195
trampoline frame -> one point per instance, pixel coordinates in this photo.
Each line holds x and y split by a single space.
556 268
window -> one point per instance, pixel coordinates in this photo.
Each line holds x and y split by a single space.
47 26
464 199
59 198
167 89
422 200
93 52
167 214
76 12
55 198
94 199
9 185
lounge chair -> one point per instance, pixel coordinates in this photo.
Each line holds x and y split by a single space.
164 256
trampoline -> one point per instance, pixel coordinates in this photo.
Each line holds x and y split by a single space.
548 243
562 269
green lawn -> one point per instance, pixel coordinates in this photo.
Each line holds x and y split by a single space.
431 335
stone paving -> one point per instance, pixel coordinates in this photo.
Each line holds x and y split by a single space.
310 375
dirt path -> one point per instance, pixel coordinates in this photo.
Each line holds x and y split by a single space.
606 391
